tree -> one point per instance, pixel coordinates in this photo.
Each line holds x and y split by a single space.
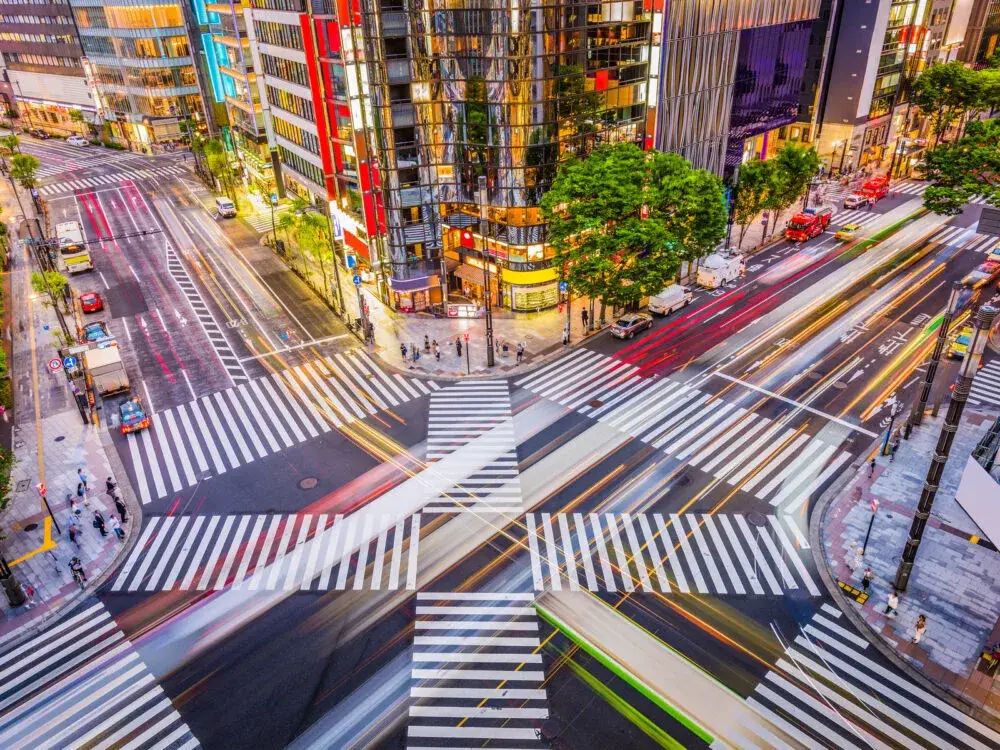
945 92
752 193
959 171
23 168
52 283
314 238
792 169
621 221
10 145
219 166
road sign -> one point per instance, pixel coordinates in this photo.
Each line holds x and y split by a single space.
351 261
563 286
874 504
69 363
55 365
41 488
466 337
357 279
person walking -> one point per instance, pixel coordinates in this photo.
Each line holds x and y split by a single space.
117 528
584 316
496 345
402 350
919 629
458 347
520 352
29 594
504 349
566 335
437 350
890 610
122 510
415 353
99 523
83 478
893 447
871 467
74 532
110 486
427 344
867 580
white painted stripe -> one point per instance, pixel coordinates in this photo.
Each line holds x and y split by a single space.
775 461
620 557
234 427
397 553
636 550
411 566
568 555
161 536
137 552
685 548
462 596
346 552
248 554
752 425
794 468
213 557
278 565
760 566
182 554
806 492
475 657
363 544
210 441
271 403
293 563
551 559
708 440
279 381
192 438
252 425
140 472
654 553
583 543
331 538
175 537
472 640
234 550
146 438
537 579
727 563
477 712
794 556
471 732
178 441
673 562
501 625
260 564
737 547
479 693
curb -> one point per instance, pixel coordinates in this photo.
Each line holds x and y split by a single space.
69 603
817 522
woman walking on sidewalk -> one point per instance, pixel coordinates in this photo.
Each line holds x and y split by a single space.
919 629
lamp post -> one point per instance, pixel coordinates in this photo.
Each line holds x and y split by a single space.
833 155
483 230
984 322
917 412
843 155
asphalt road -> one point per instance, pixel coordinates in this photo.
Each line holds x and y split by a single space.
337 556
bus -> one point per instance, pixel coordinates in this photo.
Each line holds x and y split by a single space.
73 256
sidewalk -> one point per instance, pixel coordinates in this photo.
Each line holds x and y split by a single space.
956 579
50 443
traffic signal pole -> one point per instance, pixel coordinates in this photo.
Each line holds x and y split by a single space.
917 413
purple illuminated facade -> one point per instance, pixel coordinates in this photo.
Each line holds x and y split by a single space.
768 84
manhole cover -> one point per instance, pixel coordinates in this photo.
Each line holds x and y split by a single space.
22 485
308 483
31 527
757 519
595 403
60 438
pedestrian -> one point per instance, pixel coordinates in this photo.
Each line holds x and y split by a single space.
890 610
437 350
458 347
83 478
3 413
122 510
496 345
416 354
505 349
867 580
919 629
520 352
99 523
74 506
566 335
871 467
402 350
117 528
29 592
73 533
81 492
427 344
584 317
893 447
110 486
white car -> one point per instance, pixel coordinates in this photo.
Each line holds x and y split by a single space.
77 140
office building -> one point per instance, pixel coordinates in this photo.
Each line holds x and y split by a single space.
982 36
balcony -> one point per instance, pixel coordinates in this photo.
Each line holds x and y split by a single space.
398 71
393 24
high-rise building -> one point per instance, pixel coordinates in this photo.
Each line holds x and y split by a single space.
392 112
45 69
143 66
982 37
732 73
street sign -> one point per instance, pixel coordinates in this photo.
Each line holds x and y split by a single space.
357 279
55 365
466 337
874 504
41 488
351 261
69 363
563 286
274 199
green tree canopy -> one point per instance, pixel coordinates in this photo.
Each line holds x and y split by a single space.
217 160
56 282
23 168
10 145
959 171
793 168
945 92
622 221
752 193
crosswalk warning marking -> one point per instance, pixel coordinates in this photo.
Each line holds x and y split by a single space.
111 180
281 551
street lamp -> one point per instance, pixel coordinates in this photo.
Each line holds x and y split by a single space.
843 155
483 230
984 322
917 413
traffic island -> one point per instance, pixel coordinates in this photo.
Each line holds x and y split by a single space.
955 582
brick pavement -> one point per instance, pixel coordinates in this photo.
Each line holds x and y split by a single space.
955 581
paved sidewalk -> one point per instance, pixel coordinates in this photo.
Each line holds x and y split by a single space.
51 450
956 579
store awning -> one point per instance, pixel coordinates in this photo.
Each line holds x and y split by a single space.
469 273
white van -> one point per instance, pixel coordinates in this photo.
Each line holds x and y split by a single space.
225 207
718 269
674 297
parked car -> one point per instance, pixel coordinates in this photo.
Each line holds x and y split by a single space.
77 140
91 302
854 200
848 232
225 207
673 297
630 324
39 134
96 331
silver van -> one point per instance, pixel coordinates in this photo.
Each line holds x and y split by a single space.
225 207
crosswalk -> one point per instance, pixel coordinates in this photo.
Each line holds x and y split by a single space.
252 420
831 690
859 216
966 238
81 683
986 386
269 551
478 675
686 553
114 179
230 362
261 222
760 455
470 438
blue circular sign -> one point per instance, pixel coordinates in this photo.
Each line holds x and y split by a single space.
563 286
357 279
69 363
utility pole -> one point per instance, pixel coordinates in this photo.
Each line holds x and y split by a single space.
984 322
484 222
11 586
917 412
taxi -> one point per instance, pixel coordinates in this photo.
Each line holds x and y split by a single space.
132 417
960 345
848 232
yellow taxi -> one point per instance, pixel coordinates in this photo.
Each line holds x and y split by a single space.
848 232
961 343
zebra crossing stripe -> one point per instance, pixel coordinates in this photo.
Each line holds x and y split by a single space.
81 683
111 179
985 389
290 552
690 551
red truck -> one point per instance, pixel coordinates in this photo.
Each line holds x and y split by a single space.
877 187
808 224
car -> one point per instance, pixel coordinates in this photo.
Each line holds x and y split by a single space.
39 134
91 302
854 200
131 416
982 275
77 140
848 232
961 344
93 332
630 324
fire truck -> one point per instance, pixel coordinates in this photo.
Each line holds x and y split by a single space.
808 224
877 187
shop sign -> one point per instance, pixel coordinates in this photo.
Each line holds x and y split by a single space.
463 311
